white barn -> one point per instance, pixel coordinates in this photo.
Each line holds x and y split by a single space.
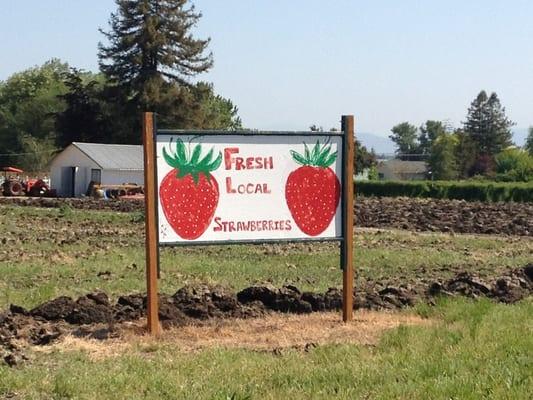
74 168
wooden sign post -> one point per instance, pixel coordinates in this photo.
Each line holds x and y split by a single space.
151 241
347 243
222 187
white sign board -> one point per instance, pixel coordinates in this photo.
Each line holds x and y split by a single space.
248 187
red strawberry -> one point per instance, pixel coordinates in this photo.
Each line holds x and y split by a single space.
312 191
189 193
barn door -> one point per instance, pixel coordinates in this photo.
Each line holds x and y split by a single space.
96 176
68 181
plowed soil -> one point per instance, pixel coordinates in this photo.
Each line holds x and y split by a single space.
456 216
400 213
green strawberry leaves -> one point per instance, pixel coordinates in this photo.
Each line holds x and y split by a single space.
298 158
192 165
319 156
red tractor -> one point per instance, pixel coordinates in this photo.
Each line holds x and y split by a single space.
14 185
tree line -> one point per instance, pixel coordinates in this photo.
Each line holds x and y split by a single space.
481 148
147 64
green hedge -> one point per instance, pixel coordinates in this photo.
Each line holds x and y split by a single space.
471 191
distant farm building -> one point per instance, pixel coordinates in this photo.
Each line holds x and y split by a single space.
74 168
399 170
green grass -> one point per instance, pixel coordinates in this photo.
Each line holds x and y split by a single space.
51 252
473 350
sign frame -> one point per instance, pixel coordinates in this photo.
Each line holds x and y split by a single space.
248 133
150 134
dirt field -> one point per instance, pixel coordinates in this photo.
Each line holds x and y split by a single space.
400 213
63 239
454 216
72 308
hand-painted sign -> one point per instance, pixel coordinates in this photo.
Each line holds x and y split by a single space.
249 187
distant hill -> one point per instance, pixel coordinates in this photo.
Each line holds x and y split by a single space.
380 144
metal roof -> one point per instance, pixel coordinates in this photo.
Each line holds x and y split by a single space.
114 156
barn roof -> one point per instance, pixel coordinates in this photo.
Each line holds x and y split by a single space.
114 156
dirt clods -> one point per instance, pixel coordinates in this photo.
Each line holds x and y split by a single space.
55 309
434 215
509 288
9 352
90 309
286 299
130 307
169 313
204 301
94 316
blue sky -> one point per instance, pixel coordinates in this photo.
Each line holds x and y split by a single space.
289 64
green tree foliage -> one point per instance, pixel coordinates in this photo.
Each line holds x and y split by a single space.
198 107
29 101
215 111
37 153
405 136
529 142
83 119
373 173
442 161
415 144
363 158
429 131
489 128
466 153
514 164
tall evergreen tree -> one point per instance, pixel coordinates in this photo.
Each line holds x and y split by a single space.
487 125
150 47
500 126
83 118
148 62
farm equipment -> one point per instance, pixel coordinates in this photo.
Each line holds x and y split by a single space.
14 185
114 191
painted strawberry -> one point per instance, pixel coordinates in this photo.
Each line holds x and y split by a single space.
312 191
189 193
